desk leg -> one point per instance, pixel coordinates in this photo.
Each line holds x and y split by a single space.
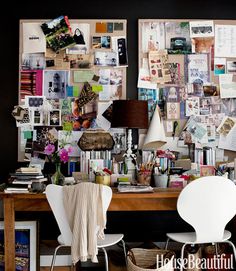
9 233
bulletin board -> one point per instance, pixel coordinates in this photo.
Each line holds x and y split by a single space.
188 68
68 79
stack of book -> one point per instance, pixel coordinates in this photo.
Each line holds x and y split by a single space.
21 181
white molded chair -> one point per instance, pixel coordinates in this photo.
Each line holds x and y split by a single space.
207 204
54 194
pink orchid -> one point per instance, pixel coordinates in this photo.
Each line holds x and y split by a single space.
69 150
64 155
49 149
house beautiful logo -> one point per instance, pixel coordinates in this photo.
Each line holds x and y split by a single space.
216 262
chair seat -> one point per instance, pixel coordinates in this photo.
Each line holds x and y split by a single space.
110 239
190 237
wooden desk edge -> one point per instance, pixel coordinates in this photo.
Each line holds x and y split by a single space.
161 199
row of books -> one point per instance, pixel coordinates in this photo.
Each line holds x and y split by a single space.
21 181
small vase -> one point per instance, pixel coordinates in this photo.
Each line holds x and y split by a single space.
58 178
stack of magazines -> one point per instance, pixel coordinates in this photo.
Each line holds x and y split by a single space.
21 181
134 188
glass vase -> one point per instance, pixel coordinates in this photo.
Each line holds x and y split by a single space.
58 178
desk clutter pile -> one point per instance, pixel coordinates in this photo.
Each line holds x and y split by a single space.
26 179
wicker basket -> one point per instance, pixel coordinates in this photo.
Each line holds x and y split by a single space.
139 259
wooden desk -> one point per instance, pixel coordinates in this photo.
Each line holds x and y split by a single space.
160 200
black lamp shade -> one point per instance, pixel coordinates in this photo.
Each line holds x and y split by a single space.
129 114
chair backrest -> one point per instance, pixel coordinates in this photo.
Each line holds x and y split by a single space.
54 194
208 204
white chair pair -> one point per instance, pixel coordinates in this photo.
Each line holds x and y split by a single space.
207 204
54 194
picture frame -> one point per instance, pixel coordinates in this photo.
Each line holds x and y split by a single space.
26 238
54 117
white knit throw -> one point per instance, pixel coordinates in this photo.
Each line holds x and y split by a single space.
84 208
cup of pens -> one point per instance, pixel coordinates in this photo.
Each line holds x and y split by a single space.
144 177
144 174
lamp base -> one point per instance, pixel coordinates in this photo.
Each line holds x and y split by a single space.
130 167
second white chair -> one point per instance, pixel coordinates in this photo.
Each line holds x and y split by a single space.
207 204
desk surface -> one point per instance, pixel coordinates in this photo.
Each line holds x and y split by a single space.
160 200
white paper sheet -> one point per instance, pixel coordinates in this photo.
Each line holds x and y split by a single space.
101 120
227 86
33 38
225 40
144 79
228 142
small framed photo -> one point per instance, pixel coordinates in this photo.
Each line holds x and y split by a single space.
54 117
26 245
34 101
206 170
36 117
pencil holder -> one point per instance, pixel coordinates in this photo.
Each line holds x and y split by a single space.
144 177
106 180
161 180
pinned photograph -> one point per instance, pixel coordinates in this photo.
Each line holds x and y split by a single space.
219 66
231 66
96 43
44 136
172 94
21 115
106 58
201 29
36 117
54 117
177 37
84 117
33 38
202 45
106 42
226 126
55 83
173 111
118 26
81 35
58 34
33 61
195 129
71 139
104 115
198 68
31 83
192 106
34 101
153 36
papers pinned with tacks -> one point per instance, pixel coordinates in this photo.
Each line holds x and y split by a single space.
134 188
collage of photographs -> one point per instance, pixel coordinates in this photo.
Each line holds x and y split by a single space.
70 72
188 69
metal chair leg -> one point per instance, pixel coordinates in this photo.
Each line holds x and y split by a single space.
124 248
106 258
233 247
182 258
217 251
54 256
167 243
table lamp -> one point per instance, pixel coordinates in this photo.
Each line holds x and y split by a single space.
155 137
129 114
